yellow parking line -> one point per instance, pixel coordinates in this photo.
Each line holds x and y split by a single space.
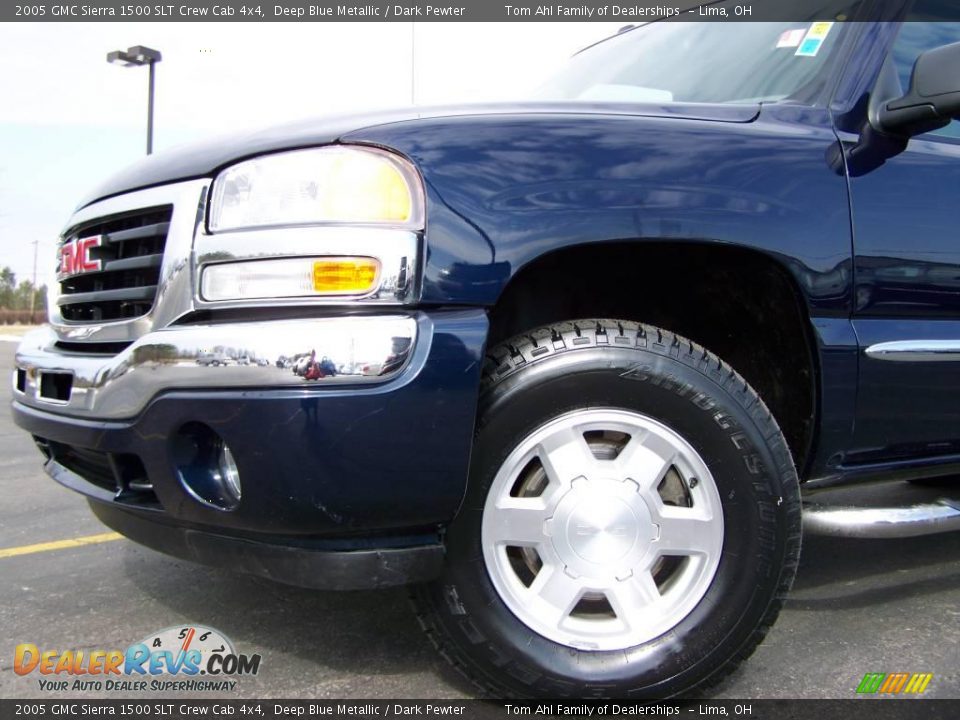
59 544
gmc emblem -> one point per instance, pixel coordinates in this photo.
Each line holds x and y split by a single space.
75 257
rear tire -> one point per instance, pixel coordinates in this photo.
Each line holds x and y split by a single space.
631 525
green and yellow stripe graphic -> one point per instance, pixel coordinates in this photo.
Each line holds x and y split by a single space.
894 683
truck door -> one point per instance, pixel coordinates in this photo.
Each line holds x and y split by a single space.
906 224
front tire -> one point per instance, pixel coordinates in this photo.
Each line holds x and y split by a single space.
631 525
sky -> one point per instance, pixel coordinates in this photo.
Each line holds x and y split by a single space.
69 119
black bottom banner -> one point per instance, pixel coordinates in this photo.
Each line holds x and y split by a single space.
854 709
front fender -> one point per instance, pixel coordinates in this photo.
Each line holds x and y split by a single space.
506 189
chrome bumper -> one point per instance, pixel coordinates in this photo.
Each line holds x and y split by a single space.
275 354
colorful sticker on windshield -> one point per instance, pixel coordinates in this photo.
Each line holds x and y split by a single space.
791 38
813 40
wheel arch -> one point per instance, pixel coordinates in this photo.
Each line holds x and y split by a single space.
744 304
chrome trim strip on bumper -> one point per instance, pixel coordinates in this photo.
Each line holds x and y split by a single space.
916 351
276 354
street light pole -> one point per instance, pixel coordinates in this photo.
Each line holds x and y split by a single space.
137 56
33 289
150 110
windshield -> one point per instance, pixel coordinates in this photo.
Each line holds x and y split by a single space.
705 62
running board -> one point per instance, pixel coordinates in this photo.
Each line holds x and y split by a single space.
893 522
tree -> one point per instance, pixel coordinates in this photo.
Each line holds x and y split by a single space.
40 299
22 296
8 284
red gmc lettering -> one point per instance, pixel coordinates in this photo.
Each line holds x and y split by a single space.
75 256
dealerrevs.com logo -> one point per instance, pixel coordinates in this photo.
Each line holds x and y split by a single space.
179 658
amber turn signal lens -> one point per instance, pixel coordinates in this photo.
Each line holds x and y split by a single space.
345 276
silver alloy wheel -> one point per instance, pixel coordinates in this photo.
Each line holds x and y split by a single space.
602 529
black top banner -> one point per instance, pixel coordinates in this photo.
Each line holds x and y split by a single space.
236 709
626 11
250 709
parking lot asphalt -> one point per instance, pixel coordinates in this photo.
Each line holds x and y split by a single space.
857 606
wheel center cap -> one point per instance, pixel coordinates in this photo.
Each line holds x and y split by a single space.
602 530
601 527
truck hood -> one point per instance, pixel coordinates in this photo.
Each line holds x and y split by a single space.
204 159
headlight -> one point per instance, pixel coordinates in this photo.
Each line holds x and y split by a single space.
333 184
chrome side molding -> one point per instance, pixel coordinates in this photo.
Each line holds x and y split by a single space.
916 351
879 523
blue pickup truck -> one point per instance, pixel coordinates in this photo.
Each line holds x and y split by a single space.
583 352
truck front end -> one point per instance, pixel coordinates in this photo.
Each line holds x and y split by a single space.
237 370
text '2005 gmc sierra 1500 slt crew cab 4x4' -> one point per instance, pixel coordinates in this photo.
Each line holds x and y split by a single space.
562 366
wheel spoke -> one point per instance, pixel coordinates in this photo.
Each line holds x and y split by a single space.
559 591
632 598
565 456
646 458
517 522
683 531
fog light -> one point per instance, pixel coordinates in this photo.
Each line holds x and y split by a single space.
205 466
229 474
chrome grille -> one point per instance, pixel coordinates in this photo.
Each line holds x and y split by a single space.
130 255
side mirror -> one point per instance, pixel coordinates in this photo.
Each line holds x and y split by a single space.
934 97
